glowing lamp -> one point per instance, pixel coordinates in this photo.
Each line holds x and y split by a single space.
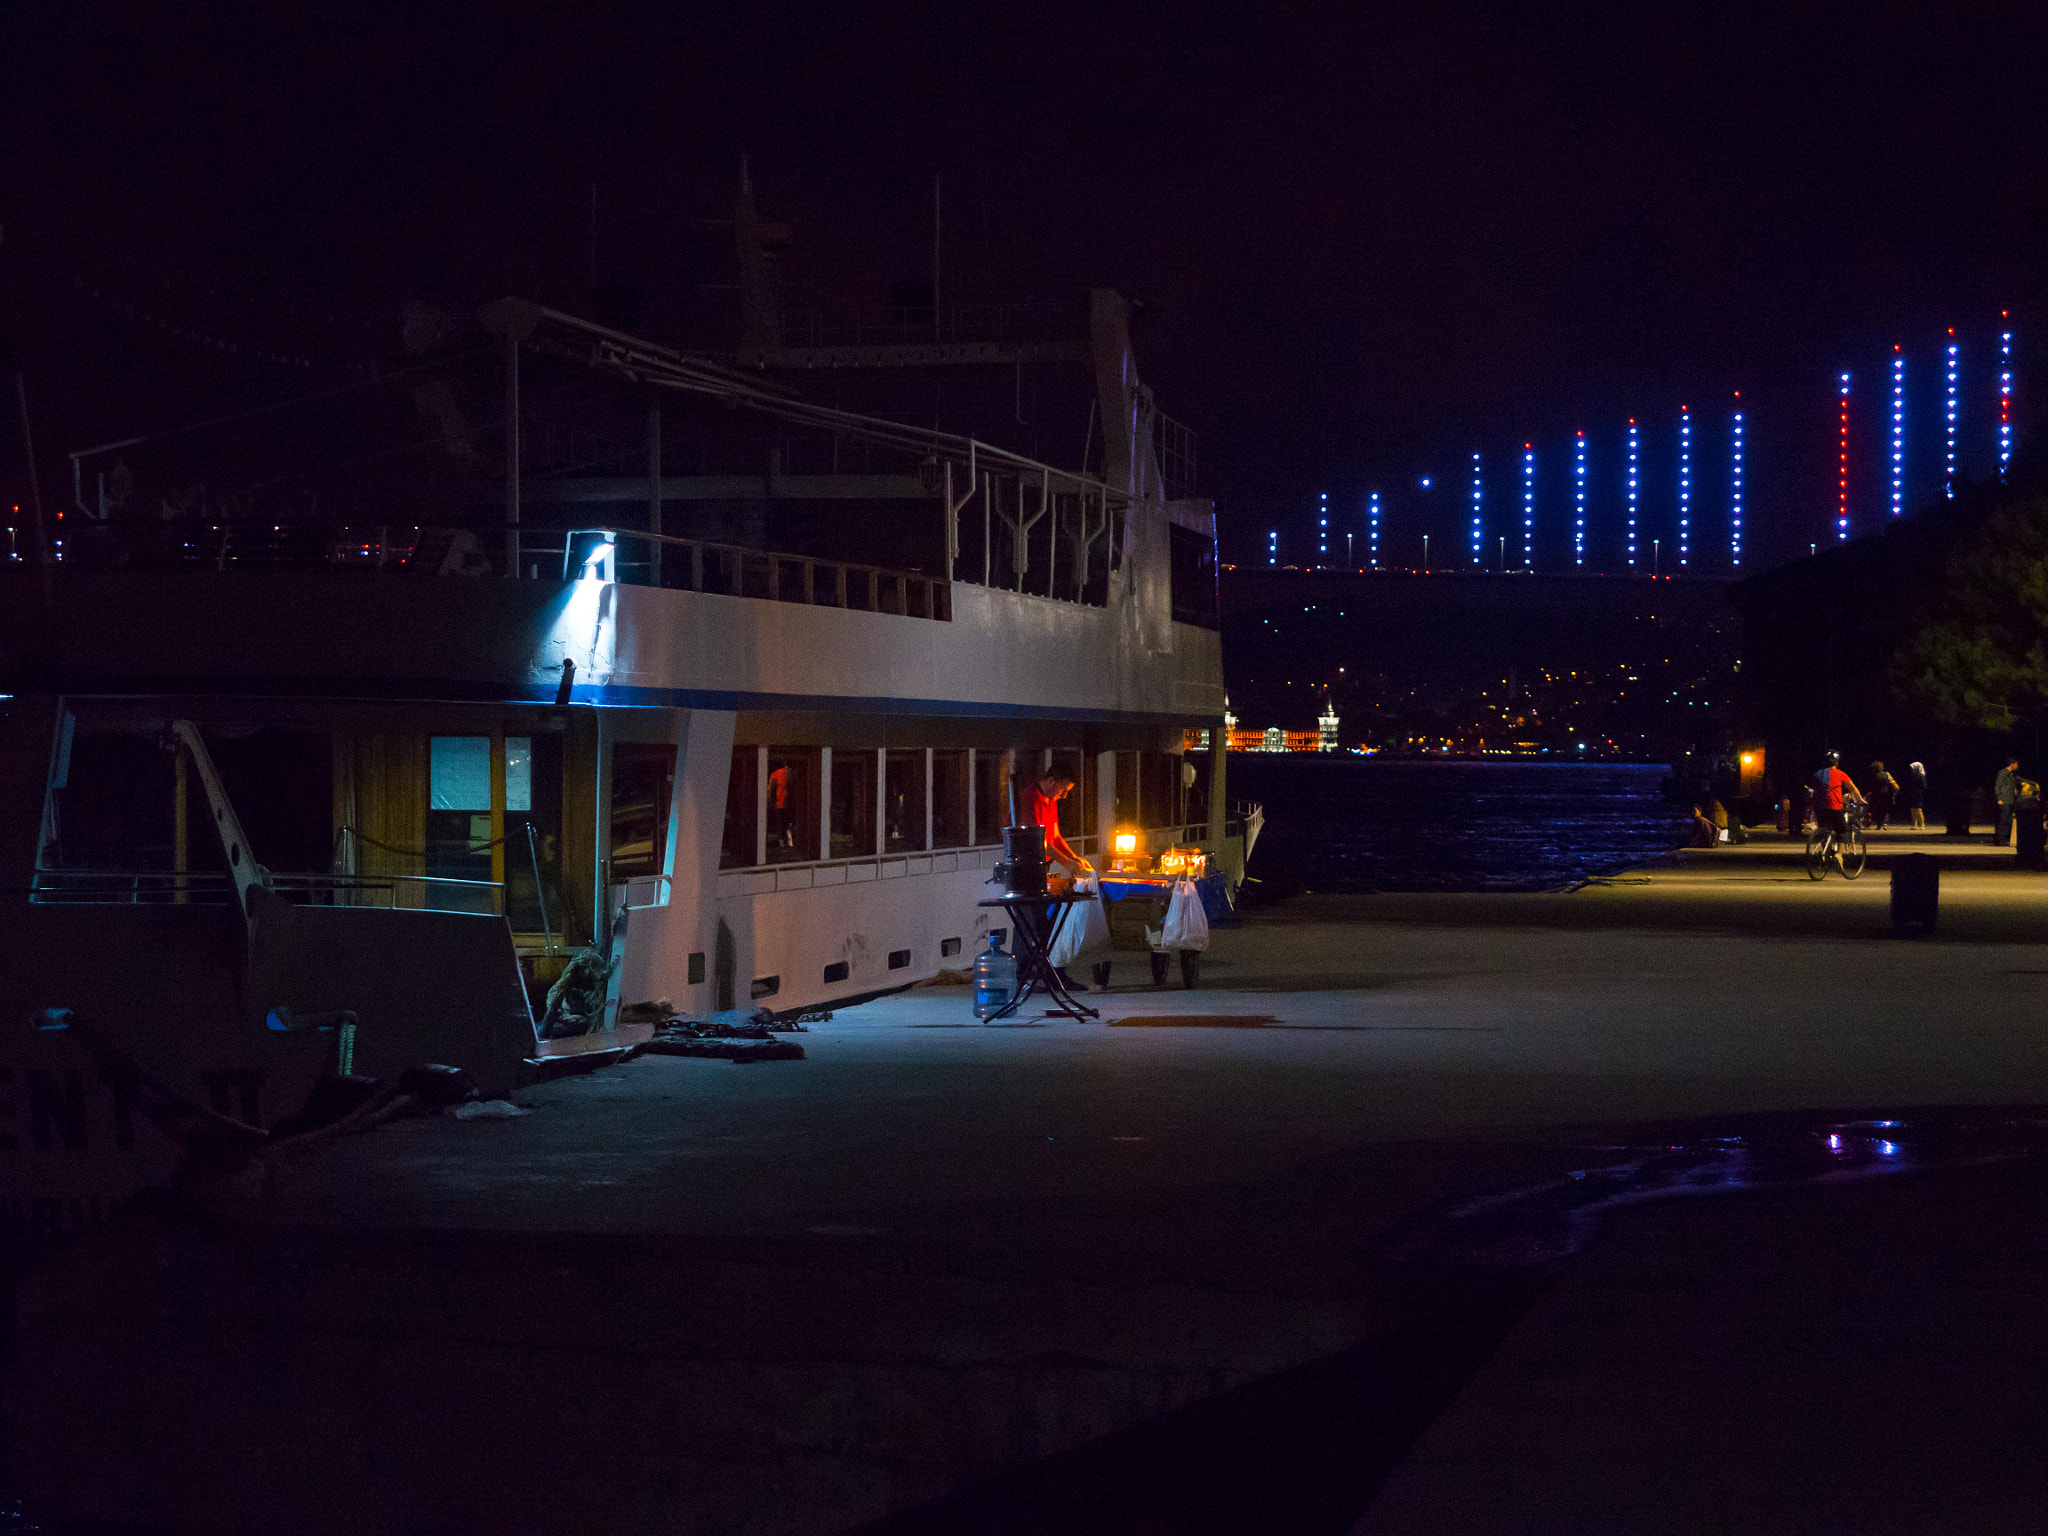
1192 862
1125 857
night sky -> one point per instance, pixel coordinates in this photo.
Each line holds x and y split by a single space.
1368 240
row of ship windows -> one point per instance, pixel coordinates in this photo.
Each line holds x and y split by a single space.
796 805
838 971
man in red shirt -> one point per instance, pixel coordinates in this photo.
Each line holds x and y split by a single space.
1038 803
1836 790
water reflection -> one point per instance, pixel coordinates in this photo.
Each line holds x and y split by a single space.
1555 1219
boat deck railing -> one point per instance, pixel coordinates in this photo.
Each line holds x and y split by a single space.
698 565
161 887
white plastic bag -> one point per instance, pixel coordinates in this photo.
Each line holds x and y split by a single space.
1187 925
1084 933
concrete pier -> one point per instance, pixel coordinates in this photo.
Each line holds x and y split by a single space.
687 1295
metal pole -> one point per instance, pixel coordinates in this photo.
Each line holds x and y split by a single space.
511 456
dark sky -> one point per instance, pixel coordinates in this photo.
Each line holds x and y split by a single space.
1369 240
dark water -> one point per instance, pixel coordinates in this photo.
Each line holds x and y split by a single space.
1348 823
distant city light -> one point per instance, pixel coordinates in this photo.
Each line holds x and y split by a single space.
1323 531
1948 479
1898 433
1735 486
1476 495
1372 537
1842 485
1684 485
2004 396
1633 444
1528 506
1425 482
1579 500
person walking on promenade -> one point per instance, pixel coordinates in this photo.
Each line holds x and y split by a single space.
1884 794
1913 796
2005 789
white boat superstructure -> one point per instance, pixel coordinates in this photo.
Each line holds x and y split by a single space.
512 695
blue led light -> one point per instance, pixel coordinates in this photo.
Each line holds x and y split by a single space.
2004 400
1684 485
1948 478
1372 537
1735 488
1898 433
1477 532
1528 506
1634 442
1323 532
1842 469
1579 500
1273 547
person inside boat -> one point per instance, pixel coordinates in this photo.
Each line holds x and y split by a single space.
1038 802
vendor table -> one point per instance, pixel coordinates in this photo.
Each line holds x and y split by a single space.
1153 893
1035 922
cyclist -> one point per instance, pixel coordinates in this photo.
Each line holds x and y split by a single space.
1833 790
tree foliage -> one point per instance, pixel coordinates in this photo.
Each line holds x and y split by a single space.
1977 659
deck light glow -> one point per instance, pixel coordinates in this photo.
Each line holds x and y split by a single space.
1634 443
1735 487
1842 469
1372 535
1476 498
1948 479
1579 500
1898 432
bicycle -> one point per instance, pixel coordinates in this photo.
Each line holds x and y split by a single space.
1848 852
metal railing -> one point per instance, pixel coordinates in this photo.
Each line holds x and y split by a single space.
697 565
162 887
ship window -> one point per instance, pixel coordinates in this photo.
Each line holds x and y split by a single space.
903 801
1158 789
458 825
991 813
792 804
643 780
766 986
459 773
949 947
898 959
742 810
949 798
853 805
836 971
1191 576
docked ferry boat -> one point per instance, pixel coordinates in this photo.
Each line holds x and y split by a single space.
551 640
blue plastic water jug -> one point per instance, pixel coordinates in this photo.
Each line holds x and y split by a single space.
995 979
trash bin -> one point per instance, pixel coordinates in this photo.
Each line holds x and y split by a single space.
1916 891
2030 833
1959 814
